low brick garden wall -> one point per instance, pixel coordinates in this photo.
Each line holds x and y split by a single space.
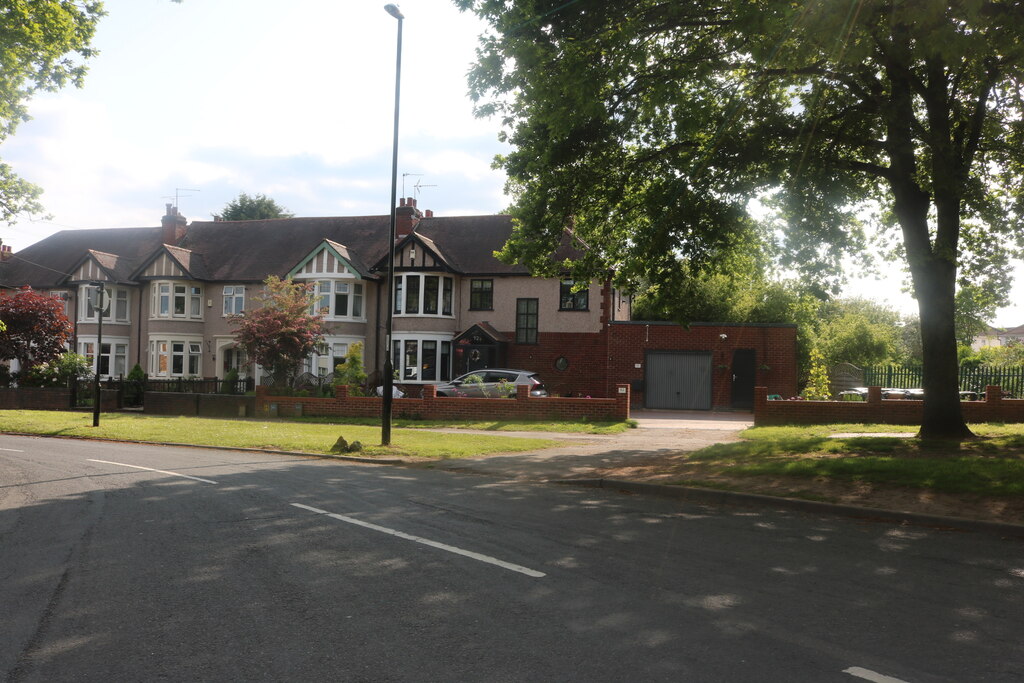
434 407
202 405
875 409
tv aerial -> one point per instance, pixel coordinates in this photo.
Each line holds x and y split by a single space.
177 194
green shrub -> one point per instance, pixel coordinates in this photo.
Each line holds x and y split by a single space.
230 384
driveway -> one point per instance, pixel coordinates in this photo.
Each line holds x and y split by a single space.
660 434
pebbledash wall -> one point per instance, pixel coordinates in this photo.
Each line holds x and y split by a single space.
774 347
878 410
432 407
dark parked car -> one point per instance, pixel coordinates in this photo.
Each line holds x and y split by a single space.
492 383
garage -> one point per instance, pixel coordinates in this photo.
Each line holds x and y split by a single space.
678 380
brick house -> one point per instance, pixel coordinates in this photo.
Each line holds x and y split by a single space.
456 307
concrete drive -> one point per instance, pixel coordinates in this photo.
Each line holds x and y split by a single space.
659 433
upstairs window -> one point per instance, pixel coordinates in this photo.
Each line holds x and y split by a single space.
339 299
428 295
176 300
569 300
234 299
117 306
481 295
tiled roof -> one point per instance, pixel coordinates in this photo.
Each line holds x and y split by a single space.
249 251
47 263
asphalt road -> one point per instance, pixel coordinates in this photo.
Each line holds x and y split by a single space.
230 566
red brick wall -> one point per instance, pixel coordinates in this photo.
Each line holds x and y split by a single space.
35 398
775 347
432 407
878 410
586 374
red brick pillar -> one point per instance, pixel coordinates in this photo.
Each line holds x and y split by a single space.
622 401
522 392
874 402
993 394
429 392
760 404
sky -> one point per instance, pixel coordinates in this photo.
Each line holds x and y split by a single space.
197 102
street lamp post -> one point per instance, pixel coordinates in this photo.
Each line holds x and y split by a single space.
100 306
389 370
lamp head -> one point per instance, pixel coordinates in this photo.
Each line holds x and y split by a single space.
394 11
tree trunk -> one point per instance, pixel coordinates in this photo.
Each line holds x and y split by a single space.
934 284
934 276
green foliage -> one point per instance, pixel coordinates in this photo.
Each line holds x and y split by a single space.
817 388
351 372
1011 355
648 129
57 372
278 331
252 208
44 45
230 385
36 328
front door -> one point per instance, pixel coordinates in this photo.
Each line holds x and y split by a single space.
479 357
744 373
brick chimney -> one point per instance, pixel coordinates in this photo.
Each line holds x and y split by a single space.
173 224
407 216
5 253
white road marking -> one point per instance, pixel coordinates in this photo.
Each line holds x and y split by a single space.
150 469
433 544
11 450
872 676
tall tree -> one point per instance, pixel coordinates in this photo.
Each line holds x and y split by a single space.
33 328
253 208
279 332
647 127
43 47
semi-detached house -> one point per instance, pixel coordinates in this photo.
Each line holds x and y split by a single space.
456 307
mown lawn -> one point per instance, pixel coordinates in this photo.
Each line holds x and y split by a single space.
990 465
285 435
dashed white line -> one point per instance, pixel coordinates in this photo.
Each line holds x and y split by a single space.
425 541
11 450
872 676
150 469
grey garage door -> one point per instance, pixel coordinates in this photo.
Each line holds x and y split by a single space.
678 380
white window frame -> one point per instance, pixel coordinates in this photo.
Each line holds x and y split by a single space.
234 299
117 354
399 358
326 291
320 361
167 297
118 313
402 286
171 347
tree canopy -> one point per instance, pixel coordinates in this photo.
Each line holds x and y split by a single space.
253 208
34 329
652 129
279 332
44 45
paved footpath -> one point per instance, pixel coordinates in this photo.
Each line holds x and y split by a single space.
658 433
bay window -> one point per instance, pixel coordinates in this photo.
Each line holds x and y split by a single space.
113 356
177 300
176 357
429 295
117 309
339 299
422 358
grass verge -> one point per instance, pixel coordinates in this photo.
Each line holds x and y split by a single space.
306 437
485 425
990 465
